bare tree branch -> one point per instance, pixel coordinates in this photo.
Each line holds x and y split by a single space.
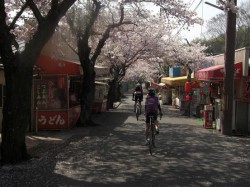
105 36
35 11
12 25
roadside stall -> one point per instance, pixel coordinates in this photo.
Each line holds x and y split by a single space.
56 93
211 86
160 90
177 90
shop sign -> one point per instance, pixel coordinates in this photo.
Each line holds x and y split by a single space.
245 89
52 119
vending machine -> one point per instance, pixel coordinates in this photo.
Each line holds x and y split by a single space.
208 116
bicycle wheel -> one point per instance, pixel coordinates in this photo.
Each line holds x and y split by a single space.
150 146
153 134
137 113
150 143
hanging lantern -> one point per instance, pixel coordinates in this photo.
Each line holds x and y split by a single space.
187 87
187 97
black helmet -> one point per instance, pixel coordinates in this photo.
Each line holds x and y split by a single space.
151 91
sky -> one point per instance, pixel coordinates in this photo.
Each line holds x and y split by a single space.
204 11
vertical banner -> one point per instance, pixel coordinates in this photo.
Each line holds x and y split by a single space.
245 89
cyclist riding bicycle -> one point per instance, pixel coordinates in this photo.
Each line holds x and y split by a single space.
137 94
152 105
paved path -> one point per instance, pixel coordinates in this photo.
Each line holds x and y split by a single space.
114 154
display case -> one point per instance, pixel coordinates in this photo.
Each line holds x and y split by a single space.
101 92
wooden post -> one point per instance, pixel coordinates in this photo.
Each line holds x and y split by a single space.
228 94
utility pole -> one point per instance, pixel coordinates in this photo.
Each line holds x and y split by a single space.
228 87
228 93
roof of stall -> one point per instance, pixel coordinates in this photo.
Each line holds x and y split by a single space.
50 65
175 81
217 72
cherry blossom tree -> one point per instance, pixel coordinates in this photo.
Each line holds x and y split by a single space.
95 34
142 71
128 45
42 16
91 37
121 55
190 56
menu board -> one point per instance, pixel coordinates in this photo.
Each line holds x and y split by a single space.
50 93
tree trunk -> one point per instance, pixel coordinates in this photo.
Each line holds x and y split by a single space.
113 94
16 112
87 95
118 94
18 71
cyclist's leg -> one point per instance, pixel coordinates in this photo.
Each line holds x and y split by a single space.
146 130
147 126
140 105
156 124
146 133
135 104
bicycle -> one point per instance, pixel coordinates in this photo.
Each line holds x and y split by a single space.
151 134
137 109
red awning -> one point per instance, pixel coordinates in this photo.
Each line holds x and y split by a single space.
58 66
217 72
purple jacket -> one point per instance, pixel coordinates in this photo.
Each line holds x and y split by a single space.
151 104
